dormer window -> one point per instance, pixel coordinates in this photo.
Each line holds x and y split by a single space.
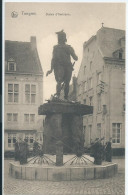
11 65
120 55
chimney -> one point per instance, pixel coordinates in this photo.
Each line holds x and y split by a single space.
33 43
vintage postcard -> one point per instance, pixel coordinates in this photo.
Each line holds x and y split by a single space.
64 98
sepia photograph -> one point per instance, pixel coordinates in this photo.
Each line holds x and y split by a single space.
64 98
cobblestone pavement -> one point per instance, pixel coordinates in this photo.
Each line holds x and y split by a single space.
111 186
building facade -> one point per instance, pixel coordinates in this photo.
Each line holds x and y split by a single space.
23 91
101 84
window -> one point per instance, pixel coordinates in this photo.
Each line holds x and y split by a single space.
26 118
29 139
32 118
12 117
90 132
11 140
90 101
99 130
29 118
116 132
84 101
15 117
13 93
91 65
9 117
99 102
98 78
11 65
30 93
85 86
90 83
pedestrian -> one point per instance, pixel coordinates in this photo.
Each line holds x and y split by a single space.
108 151
41 153
16 154
36 148
97 151
23 150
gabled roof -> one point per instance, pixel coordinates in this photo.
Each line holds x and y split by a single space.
108 40
26 58
120 49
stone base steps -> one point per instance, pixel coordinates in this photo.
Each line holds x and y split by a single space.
62 173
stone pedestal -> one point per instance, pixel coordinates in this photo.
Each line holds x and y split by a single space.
64 122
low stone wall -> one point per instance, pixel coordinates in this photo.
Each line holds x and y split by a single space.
62 173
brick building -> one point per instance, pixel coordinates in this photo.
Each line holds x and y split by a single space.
23 91
101 84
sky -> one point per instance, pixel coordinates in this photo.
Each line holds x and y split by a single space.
80 21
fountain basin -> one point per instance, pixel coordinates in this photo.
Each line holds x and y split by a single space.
62 173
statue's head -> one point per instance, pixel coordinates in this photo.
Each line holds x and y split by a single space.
61 37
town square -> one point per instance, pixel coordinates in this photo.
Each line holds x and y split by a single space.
64 98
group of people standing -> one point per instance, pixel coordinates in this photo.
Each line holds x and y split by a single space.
22 150
101 151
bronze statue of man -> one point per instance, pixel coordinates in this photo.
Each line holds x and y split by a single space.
61 64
